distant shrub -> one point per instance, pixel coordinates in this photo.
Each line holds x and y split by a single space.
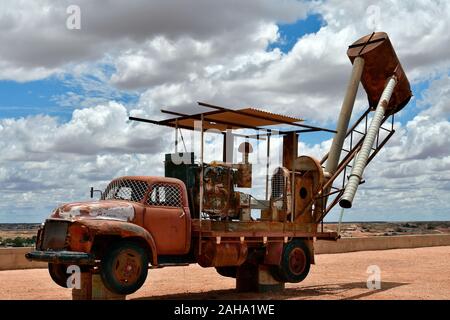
18 242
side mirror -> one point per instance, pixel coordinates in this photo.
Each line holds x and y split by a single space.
93 190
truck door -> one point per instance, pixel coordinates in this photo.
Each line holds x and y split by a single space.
167 218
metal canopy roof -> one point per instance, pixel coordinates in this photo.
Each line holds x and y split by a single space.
222 119
241 119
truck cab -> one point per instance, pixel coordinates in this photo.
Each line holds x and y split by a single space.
137 220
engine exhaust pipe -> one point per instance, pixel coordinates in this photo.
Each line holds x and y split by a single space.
363 155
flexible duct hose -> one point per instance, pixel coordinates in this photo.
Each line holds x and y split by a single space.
363 155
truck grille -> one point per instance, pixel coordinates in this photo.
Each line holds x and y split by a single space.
54 235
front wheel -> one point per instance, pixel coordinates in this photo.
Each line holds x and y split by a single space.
295 262
58 273
124 267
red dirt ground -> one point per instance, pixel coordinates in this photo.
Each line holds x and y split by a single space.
421 273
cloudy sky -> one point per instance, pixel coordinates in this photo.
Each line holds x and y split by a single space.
66 94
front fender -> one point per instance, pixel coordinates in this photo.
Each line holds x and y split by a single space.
122 229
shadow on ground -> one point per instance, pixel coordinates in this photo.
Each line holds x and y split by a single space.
328 291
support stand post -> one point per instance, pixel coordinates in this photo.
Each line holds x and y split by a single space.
92 288
256 278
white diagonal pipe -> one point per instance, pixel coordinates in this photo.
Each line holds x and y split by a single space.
363 155
344 116
343 121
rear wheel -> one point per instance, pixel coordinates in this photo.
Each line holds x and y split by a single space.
124 267
229 272
58 273
295 262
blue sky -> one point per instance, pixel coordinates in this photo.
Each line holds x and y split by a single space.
21 99
51 96
291 32
149 63
289 35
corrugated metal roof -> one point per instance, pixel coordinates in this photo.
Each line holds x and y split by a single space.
233 119
224 118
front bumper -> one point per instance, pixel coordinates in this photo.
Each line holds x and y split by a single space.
63 257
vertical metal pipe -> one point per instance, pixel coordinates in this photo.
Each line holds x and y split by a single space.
363 155
294 154
201 186
176 135
344 116
267 163
224 149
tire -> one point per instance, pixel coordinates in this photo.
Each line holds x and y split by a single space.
124 267
295 262
229 272
58 273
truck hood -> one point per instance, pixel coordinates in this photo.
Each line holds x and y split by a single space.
107 209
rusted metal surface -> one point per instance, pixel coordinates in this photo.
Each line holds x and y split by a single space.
381 63
76 226
224 124
115 209
244 169
218 230
219 191
268 226
308 182
245 148
231 119
170 228
297 261
271 234
258 229
289 152
250 116
265 116
223 119
244 175
82 235
79 237
215 254
120 229
273 253
127 266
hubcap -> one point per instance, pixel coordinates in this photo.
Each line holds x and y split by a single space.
127 266
297 261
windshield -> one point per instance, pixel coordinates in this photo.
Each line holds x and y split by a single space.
124 189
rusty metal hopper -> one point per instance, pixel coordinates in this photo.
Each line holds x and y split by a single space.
381 63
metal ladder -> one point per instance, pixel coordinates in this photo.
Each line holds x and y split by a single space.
337 190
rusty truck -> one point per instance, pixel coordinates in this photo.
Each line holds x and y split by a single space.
199 213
